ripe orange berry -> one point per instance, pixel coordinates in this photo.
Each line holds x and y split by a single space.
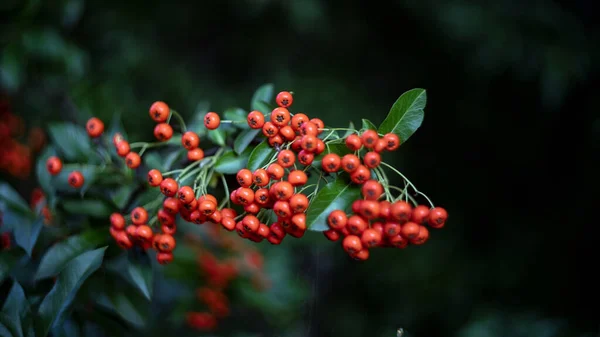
123 240
154 177
369 209
356 224
123 148
190 140
244 196
331 162
283 190
143 233
163 132
352 244
360 175
297 121
280 116
391 229
401 211
169 228
159 112
284 99
275 171
369 138
228 223
298 203
244 177
332 235
350 163
212 120
299 221
117 221
420 214
139 216
260 177
282 209
186 195
261 196
166 243
337 219
372 159
372 190
320 147
228 212
270 130
410 230
250 223
171 205
371 237
207 207
319 123
191 206
422 237
168 187
437 217
263 230
380 145
276 141
287 133
309 143
75 179
216 217
362 255
256 119
297 178
54 165
164 258
384 209
94 127
306 158
195 154
286 158
392 140
309 128
133 160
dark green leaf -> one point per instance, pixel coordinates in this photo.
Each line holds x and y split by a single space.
173 157
72 141
217 136
265 94
244 139
140 272
238 116
8 259
368 125
53 309
61 253
9 327
121 303
12 200
91 207
117 126
17 309
196 123
230 163
406 115
260 156
154 161
26 234
338 194
44 178
264 107
122 194
349 131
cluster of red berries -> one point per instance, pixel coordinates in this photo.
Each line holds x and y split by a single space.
16 155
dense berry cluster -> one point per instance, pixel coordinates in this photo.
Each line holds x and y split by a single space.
16 151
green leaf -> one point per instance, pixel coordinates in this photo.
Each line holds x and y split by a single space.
61 253
263 94
368 125
16 308
8 259
196 123
264 107
239 117
244 139
92 207
154 161
338 194
54 307
230 163
90 174
72 141
27 232
172 157
140 272
12 200
121 303
406 115
349 131
217 136
122 194
117 126
44 178
260 156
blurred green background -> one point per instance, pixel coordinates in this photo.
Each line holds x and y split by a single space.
508 145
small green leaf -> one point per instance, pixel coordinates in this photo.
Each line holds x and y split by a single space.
61 253
238 116
140 272
230 163
53 309
117 126
44 178
368 125
154 161
338 194
265 94
16 308
72 141
172 157
260 156
196 123
244 139
350 131
91 207
27 232
217 136
121 303
264 107
121 195
12 200
406 115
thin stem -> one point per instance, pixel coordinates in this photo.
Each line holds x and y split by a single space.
384 182
306 187
404 192
171 172
179 120
338 129
147 145
226 199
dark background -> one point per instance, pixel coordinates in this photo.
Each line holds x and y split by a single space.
508 145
